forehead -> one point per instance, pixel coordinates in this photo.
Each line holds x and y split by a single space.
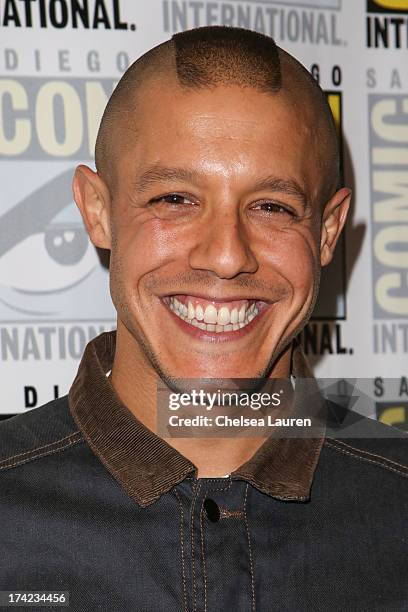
232 129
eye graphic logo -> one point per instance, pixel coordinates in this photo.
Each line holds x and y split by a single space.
49 269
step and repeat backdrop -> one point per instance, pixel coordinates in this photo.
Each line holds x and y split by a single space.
60 61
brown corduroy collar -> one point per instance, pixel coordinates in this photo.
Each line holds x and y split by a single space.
147 466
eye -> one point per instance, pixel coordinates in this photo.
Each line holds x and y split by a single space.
273 208
174 199
175 207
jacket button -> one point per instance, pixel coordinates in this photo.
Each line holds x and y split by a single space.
212 510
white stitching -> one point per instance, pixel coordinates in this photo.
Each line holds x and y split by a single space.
50 452
379 463
203 554
250 550
182 549
360 450
197 486
208 490
33 450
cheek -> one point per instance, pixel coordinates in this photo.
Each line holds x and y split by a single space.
294 255
145 246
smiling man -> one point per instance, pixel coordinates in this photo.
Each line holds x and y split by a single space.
217 194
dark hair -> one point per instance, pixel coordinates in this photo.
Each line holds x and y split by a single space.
218 55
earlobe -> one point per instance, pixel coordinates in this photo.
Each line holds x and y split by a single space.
334 218
93 200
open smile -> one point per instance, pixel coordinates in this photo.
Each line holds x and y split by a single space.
215 317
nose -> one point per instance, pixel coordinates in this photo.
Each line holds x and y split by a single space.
222 246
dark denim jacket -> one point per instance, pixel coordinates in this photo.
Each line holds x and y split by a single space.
93 503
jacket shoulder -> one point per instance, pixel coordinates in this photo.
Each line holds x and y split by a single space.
374 444
36 433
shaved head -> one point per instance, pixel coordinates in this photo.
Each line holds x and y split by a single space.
215 56
216 187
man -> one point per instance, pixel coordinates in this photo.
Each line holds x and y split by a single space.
217 194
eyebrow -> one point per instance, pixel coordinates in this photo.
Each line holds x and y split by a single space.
289 186
158 173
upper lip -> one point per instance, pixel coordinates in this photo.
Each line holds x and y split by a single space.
225 298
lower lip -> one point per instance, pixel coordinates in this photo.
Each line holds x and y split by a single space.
207 336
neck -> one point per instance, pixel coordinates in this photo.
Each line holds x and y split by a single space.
135 382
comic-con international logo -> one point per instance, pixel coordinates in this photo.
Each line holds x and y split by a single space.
387 24
304 21
88 15
49 270
388 128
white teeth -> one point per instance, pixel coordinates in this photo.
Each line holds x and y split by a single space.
234 315
223 317
212 320
199 313
210 315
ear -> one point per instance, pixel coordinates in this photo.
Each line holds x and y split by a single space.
334 218
93 200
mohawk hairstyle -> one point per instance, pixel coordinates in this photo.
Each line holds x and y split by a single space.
219 55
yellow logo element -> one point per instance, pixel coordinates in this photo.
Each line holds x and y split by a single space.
393 416
335 105
392 5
